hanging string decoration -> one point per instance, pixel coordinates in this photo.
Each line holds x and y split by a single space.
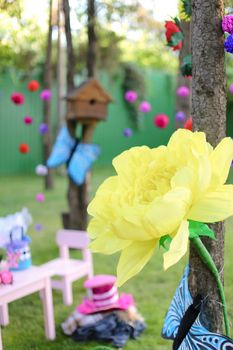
186 66
174 34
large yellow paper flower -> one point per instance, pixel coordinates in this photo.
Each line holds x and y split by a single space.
154 193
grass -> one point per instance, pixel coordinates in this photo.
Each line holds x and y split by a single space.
153 289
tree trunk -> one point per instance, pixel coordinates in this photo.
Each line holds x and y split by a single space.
209 115
92 40
47 104
70 50
184 104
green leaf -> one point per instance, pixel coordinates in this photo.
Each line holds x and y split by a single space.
165 242
176 38
187 7
197 229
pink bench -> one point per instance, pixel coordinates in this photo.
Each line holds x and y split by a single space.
69 270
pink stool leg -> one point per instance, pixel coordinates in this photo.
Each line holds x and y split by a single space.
47 300
4 315
1 347
67 292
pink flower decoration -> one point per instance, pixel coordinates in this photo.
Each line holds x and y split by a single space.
131 96
161 121
28 120
227 24
17 98
6 277
145 107
231 89
40 197
46 95
183 91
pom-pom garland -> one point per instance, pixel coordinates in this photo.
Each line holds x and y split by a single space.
33 85
24 148
46 95
183 91
145 107
28 120
127 132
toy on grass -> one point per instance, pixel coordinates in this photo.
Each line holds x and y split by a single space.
183 91
227 24
41 170
17 98
188 124
180 116
28 120
46 95
161 121
24 148
18 250
127 132
33 85
131 96
145 107
174 34
43 128
40 197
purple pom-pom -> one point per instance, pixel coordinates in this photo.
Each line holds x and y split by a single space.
228 44
46 95
43 129
127 132
38 227
131 96
180 116
227 24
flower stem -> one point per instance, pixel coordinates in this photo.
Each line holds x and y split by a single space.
207 259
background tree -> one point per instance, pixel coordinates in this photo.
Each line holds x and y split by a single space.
209 115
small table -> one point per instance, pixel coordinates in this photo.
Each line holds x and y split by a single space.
34 279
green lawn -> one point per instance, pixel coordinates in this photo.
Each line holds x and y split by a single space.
153 288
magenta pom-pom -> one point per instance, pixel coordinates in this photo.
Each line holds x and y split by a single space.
227 24
131 96
46 95
28 120
145 107
183 91
17 98
40 197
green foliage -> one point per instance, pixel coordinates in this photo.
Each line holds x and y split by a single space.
187 7
165 242
198 229
186 66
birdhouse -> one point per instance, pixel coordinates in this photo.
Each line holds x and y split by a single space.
88 102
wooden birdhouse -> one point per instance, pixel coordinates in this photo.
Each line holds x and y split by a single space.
88 102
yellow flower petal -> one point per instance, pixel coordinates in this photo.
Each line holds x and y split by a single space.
133 259
166 213
178 246
108 243
214 206
221 159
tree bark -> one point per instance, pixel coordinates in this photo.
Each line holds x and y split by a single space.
92 40
47 104
70 50
184 104
209 115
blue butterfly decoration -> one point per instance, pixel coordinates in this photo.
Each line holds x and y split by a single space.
198 337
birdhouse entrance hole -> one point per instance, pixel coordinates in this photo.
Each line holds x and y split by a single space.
92 101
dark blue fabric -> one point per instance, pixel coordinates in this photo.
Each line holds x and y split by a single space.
111 328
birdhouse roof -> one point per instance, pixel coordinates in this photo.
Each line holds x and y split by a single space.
90 89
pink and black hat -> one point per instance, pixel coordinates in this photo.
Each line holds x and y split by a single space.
104 296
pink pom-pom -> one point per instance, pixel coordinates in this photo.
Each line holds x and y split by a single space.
131 96
28 120
161 121
46 95
145 107
17 98
183 91
40 197
227 24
